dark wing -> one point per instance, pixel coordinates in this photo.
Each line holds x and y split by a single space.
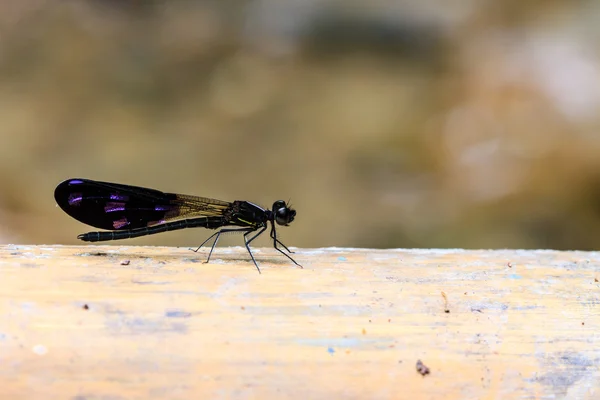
114 206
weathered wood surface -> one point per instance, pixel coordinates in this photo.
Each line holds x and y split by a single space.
76 323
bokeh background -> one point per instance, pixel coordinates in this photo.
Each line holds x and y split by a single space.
402 123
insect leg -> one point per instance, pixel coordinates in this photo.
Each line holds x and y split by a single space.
275 241
218 235
247 243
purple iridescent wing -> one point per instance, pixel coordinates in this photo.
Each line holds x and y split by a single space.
114 206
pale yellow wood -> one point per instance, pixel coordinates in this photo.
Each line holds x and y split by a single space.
351 324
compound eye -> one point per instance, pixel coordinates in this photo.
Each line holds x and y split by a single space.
283 214
279 204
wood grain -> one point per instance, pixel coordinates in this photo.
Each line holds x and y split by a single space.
109 322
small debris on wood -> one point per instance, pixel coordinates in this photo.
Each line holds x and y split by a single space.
125 262
446 309
509 264
422 368
86 307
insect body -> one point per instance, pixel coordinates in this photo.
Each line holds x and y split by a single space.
131 211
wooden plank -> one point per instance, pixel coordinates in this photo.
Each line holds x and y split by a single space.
76 322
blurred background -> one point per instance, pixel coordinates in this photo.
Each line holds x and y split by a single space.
405 123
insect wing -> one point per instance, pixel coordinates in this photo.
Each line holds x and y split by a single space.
113 206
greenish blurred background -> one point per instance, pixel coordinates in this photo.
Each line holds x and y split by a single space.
400 123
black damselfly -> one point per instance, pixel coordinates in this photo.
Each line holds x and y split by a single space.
132 211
